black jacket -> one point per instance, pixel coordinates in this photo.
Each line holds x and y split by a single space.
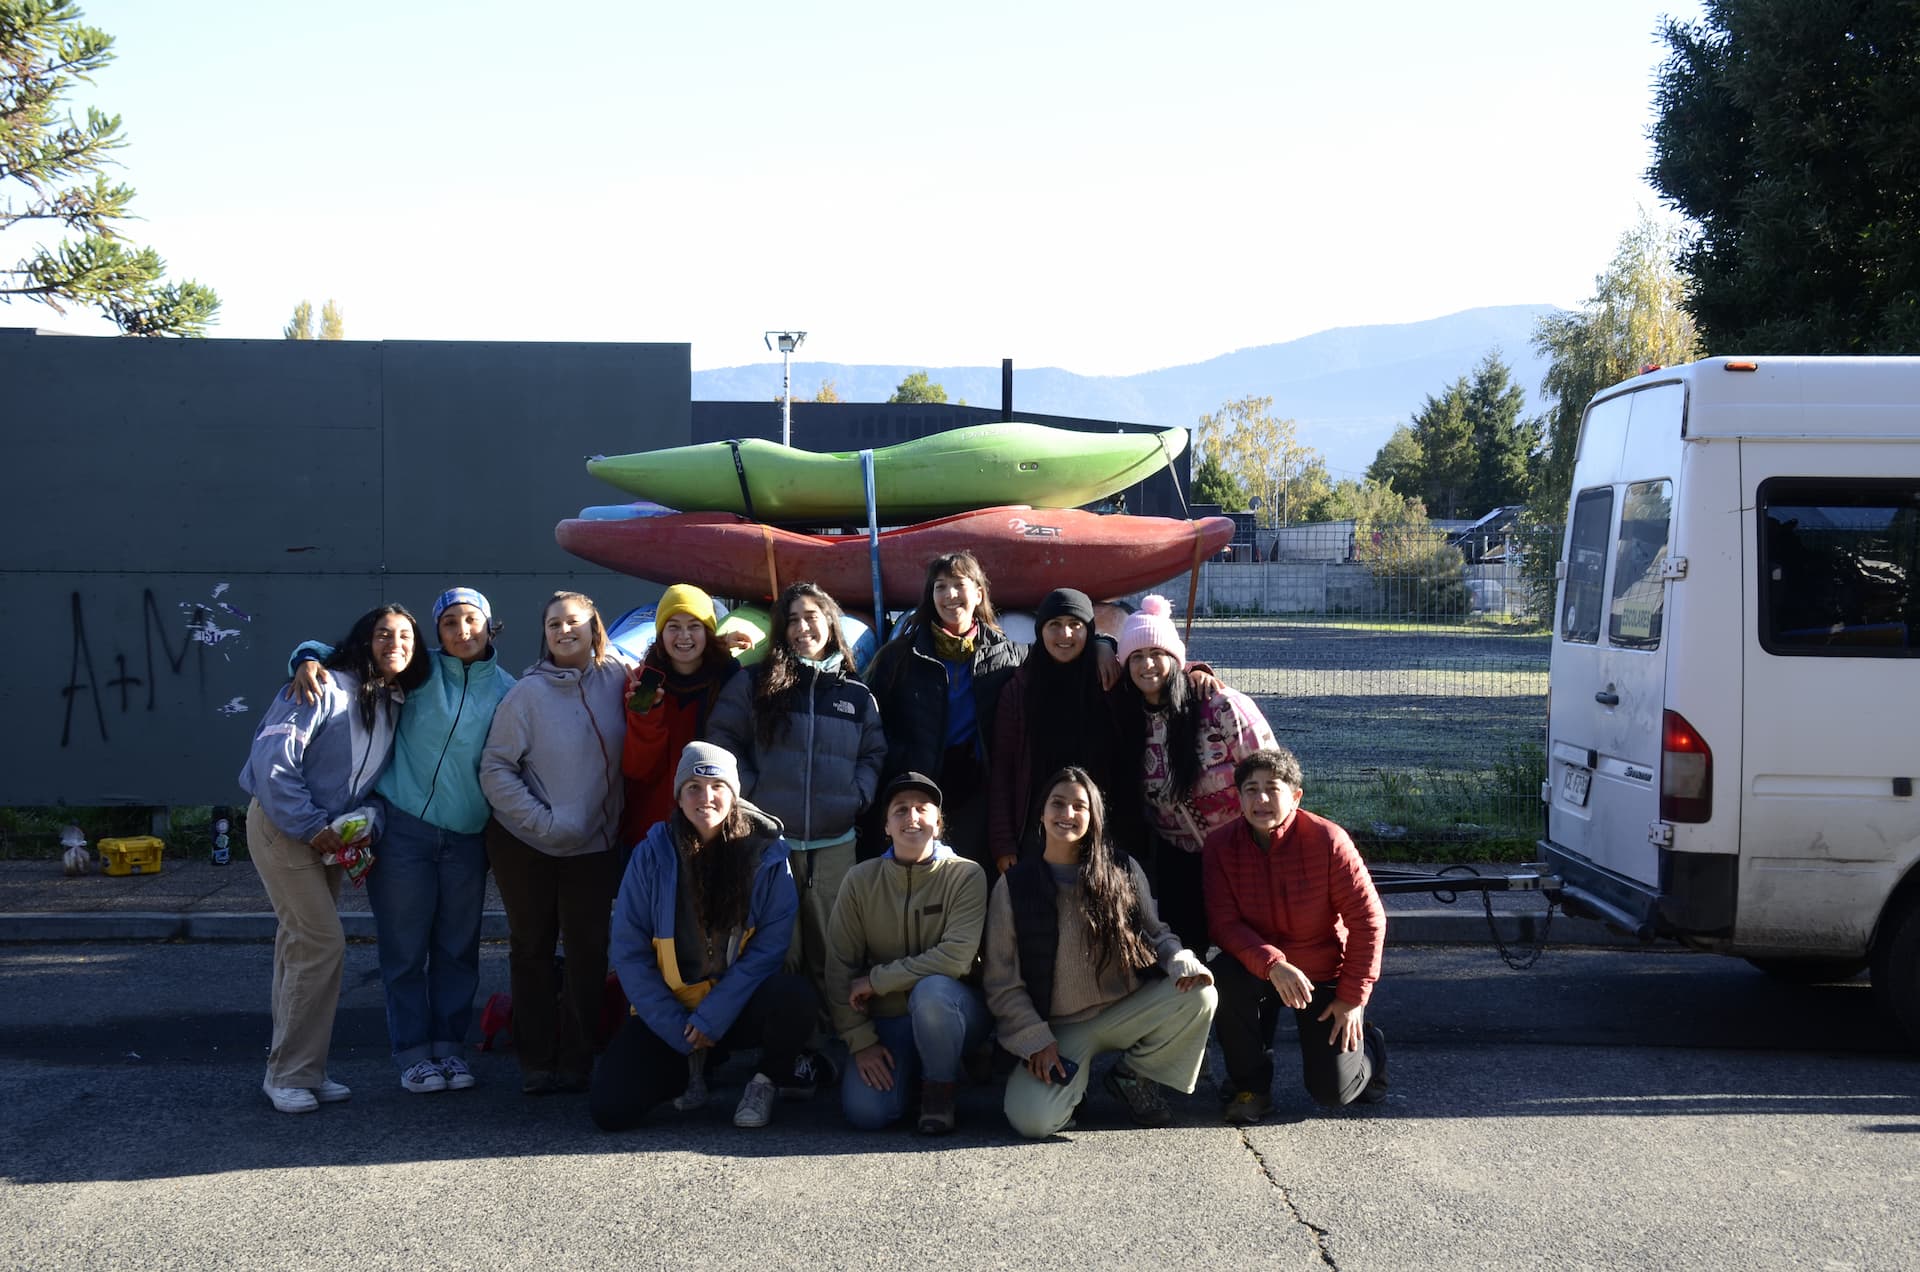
910 683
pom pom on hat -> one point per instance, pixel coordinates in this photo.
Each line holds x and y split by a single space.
1151 627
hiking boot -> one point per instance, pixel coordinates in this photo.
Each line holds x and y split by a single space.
811 1071
936 1108
756 1102
455 1071
1142 1096
1246 1108
290 1099
422 1077
331 1092
1376 1043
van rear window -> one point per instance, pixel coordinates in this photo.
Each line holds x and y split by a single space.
1587 566
1639 596
1837 564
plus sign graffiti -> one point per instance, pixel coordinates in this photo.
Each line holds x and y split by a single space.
164 649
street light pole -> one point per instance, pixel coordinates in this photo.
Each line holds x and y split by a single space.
786 342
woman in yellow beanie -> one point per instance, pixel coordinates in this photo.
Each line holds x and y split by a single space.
672 695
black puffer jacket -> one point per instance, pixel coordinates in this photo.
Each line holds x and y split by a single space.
823 766
910 683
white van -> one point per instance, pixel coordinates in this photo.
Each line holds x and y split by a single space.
1733 726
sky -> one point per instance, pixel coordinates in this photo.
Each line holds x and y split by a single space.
1107 188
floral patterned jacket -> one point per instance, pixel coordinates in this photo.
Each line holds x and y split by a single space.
1231 728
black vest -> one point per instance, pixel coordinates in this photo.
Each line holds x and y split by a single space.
1036 926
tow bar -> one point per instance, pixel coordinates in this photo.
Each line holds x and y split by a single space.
1447 883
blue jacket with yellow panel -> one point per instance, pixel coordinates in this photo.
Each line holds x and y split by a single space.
642 946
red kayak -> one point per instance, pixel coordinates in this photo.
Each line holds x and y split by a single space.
1026 553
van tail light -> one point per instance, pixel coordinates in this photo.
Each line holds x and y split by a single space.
1686 772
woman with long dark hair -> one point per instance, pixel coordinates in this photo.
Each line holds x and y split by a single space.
1184 745
807 735
551 771
310 763
701 929
1069 933
937 684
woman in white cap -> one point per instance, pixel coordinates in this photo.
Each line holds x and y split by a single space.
1184 748
551 771
430 884
699 936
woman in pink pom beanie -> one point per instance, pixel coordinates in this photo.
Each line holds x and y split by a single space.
1186 749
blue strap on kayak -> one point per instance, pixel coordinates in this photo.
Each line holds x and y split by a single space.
740 471
873 544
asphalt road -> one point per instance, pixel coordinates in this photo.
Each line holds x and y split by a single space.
1606 1109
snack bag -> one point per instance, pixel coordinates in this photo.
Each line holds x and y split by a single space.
357 829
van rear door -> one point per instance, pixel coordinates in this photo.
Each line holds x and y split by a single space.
1608 668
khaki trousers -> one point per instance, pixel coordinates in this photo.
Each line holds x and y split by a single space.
309 950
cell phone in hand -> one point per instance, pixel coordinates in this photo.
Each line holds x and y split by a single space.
1063 1066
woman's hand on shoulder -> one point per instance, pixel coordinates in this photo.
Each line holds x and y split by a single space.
309 679
1206 686
1108 664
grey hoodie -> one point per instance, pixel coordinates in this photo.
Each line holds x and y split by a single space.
551 767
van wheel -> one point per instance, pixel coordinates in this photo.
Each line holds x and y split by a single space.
1810 971
1896 966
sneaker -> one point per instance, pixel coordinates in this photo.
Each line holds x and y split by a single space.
423 1076
455 1071
756 1102
811 1071
695 1096
1246 1108
936 1108
1142 1096
1376 1089
290 1099
331 1092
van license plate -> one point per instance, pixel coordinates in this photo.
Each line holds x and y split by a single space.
1574 785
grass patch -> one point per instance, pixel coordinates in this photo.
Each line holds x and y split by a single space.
33 834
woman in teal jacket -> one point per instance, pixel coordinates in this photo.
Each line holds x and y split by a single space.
429 883
699 935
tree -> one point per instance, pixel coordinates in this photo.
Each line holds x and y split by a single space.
1466 450
917 388
1265 457
1785 131
827 393
1213 484
1636 318
69 204
333 326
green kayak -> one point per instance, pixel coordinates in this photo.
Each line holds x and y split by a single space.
956 471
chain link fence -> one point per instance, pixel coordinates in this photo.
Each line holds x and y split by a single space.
1406 666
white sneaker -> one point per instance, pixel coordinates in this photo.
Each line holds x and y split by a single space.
423 1076
756 1102
331 1092
290 1099
455 1071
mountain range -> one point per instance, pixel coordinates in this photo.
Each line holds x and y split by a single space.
1347 387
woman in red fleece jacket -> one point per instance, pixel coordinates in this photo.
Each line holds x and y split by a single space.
1294 911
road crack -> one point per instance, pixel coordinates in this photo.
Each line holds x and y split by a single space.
1320 1234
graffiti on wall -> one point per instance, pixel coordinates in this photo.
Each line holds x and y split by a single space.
107 681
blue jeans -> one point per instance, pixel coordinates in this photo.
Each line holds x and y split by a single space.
426 888
944 1018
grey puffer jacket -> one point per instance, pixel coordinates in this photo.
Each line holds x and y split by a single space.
551 767
823 766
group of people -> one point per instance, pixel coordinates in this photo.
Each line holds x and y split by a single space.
968 842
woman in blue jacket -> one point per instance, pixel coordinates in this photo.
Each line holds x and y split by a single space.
430 885
700 931
311 762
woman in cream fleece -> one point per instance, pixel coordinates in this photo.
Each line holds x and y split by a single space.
1067 934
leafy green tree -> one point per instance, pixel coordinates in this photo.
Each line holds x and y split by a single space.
70 207
333 326
917 388
1785 131
1213 484
1264 454
1466 450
